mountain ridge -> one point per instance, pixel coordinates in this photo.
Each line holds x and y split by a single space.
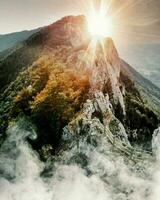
9 40
146 87
147 65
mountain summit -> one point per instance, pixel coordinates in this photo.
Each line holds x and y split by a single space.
76 121
67 86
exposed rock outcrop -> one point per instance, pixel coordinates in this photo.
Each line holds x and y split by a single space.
95 118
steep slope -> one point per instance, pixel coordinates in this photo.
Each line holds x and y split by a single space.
147 65
147 89
66 86
63 32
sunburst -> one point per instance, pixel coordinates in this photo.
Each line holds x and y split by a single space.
99 25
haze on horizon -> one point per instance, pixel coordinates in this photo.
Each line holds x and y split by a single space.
134 18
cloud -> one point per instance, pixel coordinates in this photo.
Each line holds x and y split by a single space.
83 172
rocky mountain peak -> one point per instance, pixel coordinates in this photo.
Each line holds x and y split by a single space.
69 39
70 30
71 74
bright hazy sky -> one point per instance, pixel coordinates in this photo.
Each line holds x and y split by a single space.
134 16
16 15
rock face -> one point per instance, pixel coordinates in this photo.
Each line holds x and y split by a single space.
96 118
114 107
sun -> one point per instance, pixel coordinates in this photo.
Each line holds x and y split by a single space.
99 24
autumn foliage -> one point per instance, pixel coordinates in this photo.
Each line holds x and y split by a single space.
55 94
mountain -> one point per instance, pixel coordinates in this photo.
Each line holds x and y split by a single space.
8 41
147 65
26 81
73 113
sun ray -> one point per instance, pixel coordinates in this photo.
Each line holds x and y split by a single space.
125 6
99 23
136 33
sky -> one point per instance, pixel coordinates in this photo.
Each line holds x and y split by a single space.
17 15
132 18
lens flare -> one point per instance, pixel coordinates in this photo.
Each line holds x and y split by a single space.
99 25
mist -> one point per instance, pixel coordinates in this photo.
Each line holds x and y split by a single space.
90 170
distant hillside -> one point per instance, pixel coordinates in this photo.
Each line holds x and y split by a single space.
9 40
145 58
